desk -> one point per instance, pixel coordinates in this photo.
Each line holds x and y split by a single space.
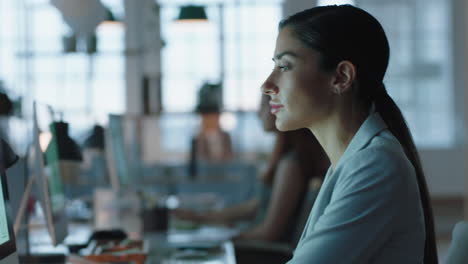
41 243
164 247
163 251
124 211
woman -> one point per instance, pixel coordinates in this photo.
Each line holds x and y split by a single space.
296 158
373 206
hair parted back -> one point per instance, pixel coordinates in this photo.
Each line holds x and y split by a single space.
347 33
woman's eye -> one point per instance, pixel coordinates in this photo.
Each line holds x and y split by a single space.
283 68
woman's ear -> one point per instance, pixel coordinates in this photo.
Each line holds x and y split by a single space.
344 76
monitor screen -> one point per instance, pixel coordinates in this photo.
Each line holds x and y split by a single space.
48 178
8 253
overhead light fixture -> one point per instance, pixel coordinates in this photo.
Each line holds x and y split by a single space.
192 13
110 18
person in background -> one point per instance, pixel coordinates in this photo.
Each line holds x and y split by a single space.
6 111
374 205
296 159
211 144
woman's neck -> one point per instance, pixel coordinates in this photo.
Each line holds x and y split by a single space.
336 132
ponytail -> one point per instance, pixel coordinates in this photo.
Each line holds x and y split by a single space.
395 121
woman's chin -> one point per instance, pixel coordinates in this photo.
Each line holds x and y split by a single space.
285 126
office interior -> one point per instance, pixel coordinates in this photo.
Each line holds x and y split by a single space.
132 68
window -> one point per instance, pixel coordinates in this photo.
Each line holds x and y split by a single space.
420 68
35 67
335 2
192 53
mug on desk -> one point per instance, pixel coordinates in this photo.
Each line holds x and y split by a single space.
155 219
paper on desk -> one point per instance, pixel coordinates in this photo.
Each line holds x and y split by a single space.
208 235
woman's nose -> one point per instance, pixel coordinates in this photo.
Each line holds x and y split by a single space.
269 87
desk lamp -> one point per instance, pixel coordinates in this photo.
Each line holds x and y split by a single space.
66 146
95 139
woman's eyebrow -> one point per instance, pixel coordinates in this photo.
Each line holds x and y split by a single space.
290 53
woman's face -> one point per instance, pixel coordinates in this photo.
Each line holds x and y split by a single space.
265 115
300 91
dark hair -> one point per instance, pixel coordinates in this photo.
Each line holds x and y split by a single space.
346 32
312 159
210 98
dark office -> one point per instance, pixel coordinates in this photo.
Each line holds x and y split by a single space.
233 131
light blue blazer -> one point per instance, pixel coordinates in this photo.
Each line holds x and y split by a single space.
369 208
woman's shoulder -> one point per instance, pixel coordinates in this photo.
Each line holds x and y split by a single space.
384 149
382 158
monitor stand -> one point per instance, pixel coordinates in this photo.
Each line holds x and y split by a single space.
21 224
25 255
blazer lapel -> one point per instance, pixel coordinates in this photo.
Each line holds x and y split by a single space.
372 126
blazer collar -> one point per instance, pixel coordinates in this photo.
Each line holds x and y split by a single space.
372 126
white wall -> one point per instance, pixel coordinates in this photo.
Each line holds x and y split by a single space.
444 169
291 7
460 57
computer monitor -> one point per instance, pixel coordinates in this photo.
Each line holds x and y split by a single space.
119 206
48 179
17 179
116 154
8 254
123 152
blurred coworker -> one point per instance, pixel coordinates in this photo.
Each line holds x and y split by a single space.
297 158
211 144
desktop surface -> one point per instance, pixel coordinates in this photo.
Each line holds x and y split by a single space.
188 247
11 259
201 245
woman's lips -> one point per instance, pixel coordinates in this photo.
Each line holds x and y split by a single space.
275 108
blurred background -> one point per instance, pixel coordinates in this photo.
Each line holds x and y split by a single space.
137 62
